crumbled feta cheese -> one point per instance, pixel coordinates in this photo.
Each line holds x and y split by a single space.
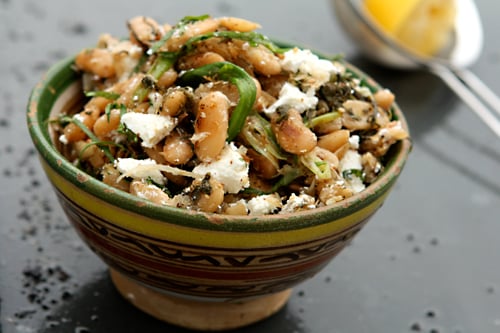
308 67
292 96
230 169
63 139
140 169
79 117
151 128
264 204
355 184
352 161
354 141
298 202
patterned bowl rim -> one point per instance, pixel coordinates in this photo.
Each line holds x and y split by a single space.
60 76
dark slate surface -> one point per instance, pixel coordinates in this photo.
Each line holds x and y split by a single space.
428 262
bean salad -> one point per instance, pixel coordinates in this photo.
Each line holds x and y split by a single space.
210 115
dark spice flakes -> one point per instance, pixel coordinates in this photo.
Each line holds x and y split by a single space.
38 282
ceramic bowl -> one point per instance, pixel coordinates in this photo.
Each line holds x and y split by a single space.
197 270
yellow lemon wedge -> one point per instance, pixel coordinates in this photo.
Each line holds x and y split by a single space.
424 26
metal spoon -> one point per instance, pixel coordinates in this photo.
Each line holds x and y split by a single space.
450 67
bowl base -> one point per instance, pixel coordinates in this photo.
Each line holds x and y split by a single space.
198 315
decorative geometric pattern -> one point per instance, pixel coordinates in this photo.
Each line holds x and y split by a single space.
203 271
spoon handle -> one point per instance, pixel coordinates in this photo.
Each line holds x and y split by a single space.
473 92
479 88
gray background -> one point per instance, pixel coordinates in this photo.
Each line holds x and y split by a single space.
427 262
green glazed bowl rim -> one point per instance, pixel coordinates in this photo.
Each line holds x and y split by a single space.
59 77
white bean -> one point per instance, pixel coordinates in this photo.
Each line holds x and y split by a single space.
212 121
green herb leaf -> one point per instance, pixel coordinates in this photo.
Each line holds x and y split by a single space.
192 19
164 188
166 60
124 130
234 74
141 62
163 62
101 144
253 38
258 134
111 106
323 119
320 168
181 25
91 135
289 175
106 94
348 174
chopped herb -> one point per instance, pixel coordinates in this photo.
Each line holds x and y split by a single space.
141 62
323 119
99 144
259 135
253 38
91 135
164 189
316 165
111 106
179 27
106 94
289 175
166 60
163 62
348 174
130 136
